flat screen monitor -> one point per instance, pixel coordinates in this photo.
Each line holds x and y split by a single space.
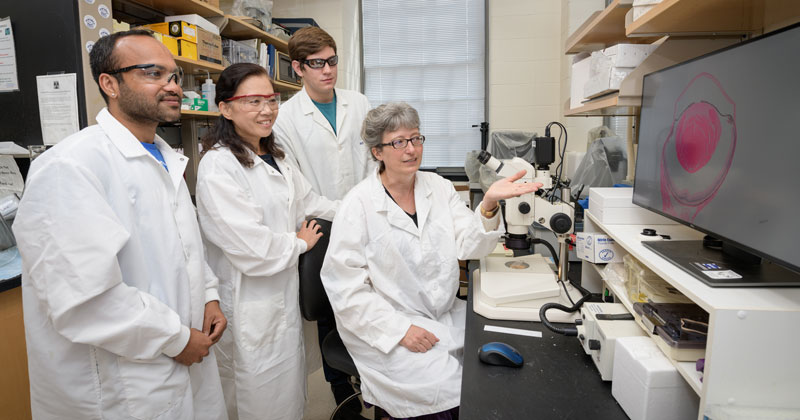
719 151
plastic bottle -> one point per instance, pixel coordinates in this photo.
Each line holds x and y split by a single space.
209 91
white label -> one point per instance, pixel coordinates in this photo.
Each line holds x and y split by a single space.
89 21
722 274
514 331
103 11
89 45
104 32
89 1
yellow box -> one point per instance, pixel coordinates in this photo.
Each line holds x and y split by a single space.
171 43
178 29
187 49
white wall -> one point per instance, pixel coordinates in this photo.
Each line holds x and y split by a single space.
340 19
528 72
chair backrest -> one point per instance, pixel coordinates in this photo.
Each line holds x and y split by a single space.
314 303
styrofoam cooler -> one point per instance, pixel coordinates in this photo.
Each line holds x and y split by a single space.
647 385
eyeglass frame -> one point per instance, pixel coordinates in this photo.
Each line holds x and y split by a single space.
276 95
405 142
177 75
324 61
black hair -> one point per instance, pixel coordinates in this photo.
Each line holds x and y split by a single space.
223 132
102 58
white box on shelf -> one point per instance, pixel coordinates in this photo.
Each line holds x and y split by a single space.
628 55
580 75
614 206
640 7
597 248
646 384
196 20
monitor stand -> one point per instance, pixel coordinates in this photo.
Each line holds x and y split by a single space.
715 269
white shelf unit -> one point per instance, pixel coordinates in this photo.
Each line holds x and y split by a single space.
751 351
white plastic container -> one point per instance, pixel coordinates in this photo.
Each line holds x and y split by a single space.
647 386
614 206
209 90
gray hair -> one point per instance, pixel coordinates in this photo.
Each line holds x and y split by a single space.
387 117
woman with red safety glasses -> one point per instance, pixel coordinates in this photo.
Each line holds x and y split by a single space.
252 206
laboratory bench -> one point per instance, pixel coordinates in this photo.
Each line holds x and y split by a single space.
557 381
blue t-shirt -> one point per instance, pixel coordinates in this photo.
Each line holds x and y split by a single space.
329 111
151 147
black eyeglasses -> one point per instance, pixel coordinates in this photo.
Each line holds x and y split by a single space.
318 63
153 73
403 143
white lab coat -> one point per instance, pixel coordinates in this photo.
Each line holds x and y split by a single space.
383 274
332 163
113 276
249 218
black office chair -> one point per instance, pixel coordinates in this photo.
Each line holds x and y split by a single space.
314 304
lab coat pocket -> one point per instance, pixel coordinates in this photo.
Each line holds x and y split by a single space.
152 387
261 322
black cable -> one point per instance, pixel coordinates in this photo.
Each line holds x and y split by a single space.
552 250
568 331
562 152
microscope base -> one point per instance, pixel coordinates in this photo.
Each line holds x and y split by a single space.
524 310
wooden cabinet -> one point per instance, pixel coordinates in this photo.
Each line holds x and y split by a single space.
751 351
15 399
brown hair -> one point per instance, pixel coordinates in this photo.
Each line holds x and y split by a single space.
223 133
307 41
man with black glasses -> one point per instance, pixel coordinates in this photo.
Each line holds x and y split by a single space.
120 306
319 128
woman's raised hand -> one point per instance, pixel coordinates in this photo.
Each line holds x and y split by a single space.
506 188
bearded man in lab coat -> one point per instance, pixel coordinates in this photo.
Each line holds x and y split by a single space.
120 306
319 129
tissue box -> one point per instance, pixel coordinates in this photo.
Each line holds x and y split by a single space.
194 104
597 248
646 384
614 206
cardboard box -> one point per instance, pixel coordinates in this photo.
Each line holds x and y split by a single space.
178 29
187 49
628 55
209 46
614 206
194 104
646 384
578 79
597 248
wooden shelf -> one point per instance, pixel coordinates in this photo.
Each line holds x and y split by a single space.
236 28
604 29
612 106
181 7
712 17
286 87
195 66
187 114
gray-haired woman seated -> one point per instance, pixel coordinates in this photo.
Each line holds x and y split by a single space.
392 272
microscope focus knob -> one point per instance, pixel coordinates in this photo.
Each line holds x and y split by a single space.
524 208
560 223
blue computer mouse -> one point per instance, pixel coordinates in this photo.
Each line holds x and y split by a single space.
499 354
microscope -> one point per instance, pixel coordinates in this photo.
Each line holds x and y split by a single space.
514 288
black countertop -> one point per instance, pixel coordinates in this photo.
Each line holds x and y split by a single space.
558 381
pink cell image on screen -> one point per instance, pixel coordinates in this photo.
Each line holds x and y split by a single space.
699 149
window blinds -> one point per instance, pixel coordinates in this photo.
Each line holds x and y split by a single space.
429 53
